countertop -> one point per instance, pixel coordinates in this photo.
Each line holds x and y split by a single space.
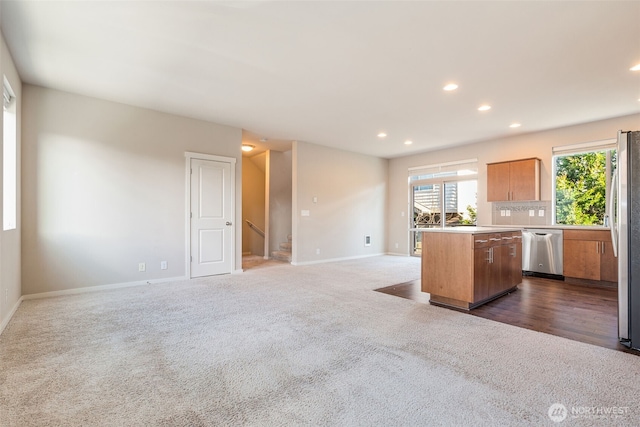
468 230
506 228
557 227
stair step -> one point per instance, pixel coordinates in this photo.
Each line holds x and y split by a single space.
281 255
285 246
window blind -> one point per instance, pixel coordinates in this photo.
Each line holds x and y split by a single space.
584 147
469 164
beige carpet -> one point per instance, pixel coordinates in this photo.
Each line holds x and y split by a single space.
307 345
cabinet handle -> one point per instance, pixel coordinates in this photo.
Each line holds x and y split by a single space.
490 255
494 239
481 241
602 247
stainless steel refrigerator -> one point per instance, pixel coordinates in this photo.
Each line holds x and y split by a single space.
625 232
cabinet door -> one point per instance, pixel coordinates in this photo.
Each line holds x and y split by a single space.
481 273
581 259
608 263
495 270
512 265
497 182
524 180
517 261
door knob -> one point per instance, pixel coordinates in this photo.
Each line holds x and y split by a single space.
229 223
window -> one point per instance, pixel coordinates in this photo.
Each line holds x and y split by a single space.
10 159
582 180
442 196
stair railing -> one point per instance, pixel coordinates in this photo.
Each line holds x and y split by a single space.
255 227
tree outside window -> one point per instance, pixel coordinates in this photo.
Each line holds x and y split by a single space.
582 187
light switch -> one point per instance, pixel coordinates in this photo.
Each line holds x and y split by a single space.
541 212
508 212
532 212
304 212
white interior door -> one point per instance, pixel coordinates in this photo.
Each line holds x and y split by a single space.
211 218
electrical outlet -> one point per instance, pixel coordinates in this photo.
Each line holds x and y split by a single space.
367 240
163 265
142 266
318 251
396 246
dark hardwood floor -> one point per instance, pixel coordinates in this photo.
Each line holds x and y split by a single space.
578 310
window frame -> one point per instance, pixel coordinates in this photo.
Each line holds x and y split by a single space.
442 174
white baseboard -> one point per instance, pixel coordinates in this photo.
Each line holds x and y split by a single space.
237 271
322 261
7 319
397 254
101 288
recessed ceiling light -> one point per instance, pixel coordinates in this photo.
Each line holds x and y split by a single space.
382 135
484 107
247 147
514 125
450 86
635 68
408 142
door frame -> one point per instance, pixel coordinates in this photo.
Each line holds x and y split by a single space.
187 215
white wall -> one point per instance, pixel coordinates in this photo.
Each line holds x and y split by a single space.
279 180
253 203
10 291
104 189
538 144
351 192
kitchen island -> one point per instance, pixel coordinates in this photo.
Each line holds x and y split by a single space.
464 267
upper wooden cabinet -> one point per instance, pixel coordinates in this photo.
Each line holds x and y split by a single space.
514 180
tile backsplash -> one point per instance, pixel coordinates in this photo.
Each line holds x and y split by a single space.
521 213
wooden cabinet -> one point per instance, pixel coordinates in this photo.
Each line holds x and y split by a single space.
514 180
588 254
466 270
511 259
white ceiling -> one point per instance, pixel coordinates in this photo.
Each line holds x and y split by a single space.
338 72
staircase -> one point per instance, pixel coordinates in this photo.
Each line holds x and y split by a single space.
284 254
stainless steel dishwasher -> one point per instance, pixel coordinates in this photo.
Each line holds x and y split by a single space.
542 252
